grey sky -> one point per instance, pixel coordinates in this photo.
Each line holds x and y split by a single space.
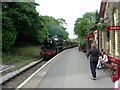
70 10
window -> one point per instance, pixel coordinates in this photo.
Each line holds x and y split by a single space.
115 33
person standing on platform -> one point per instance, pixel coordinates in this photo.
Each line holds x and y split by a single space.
94 56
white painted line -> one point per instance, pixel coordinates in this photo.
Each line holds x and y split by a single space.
6 69
36 72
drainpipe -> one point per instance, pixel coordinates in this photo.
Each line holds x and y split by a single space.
98 38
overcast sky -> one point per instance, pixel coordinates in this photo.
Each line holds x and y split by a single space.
70 10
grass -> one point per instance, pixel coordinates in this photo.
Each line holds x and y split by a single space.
21 55
16 60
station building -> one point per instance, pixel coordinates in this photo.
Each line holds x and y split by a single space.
109 38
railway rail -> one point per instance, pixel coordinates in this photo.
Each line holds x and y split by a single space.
17 79
19 76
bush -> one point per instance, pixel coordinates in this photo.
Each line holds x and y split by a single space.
8 39
102 26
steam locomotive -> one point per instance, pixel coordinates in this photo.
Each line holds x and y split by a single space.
54 45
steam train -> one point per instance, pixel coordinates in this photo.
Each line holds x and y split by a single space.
53 45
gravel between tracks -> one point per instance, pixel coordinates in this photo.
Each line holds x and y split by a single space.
17 80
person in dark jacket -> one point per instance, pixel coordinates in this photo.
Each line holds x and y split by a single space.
94 56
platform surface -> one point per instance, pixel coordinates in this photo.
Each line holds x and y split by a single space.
69 69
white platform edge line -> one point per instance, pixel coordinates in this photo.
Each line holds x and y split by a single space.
24 82
6 69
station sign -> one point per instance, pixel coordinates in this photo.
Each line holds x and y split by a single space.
112 28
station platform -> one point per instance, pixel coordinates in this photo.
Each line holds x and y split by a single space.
68 69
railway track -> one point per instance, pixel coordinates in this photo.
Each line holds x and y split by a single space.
16 80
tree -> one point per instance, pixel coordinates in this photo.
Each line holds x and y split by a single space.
8 30
21 22
62 23
83 25
97 17
55 26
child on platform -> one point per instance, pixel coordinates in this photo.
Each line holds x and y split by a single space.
102 59
99 65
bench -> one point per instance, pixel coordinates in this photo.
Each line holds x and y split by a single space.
115 68
109 66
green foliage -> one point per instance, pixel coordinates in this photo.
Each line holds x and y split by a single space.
97 17
8 38
22 23
8 32
41 35
102 26
83 25
7 23
62 23
55 26
0 38
22 19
